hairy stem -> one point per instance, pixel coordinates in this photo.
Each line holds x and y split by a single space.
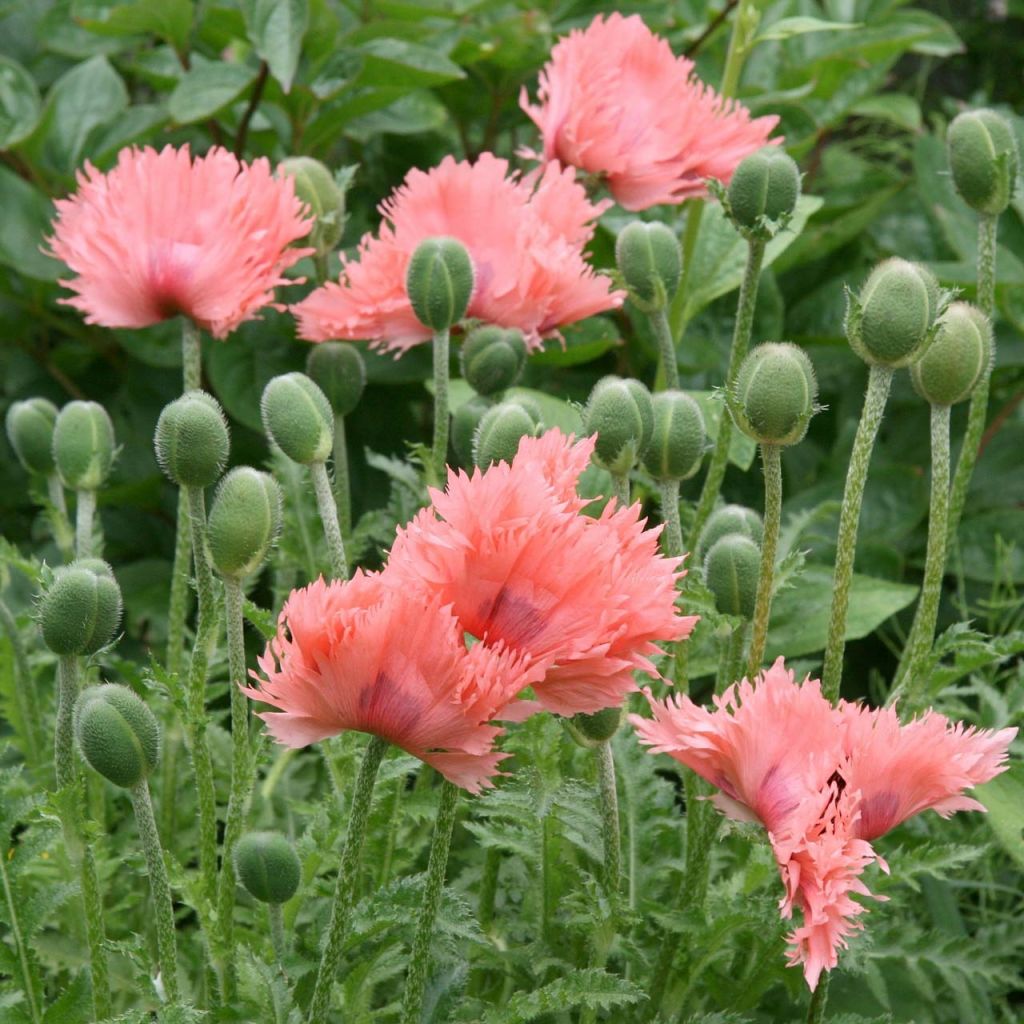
669 492
62 532
666 346
488 888
620 488
277 936
191 356
440 447
85 513
342 490
610 832
177 611
771 456
816 1010
731 658
329 517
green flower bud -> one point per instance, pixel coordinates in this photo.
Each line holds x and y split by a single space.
268 866
501 429
338 369
726 520
81 609
775 394
440 281
650 261
298 418
83 445
30 431
244 521
117 734
191 440
465 422
493 358
679 438
984 160
891 322
595 729
763 192
958 357
316 187
621 414
731 570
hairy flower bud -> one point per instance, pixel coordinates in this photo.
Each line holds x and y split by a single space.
83 445
984 159
191 440
650 261
729 519
731 570
117 734
465 422
493 358
775 394
594 729
958 357
338 369
81 609
316 187
501 429
244 521
268 866
30 430
439 281
763 192
679 438
298 418
620 412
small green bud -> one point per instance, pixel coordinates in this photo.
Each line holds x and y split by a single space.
30 431
731 570
81 609
493 358
117 734
763 192
890 323
316 187
650 261
83 445
465 421
679 437
775 394
298 418
984 160
958 357
501 429
338 369
244 521
620 412
268 866
439 281
594 729
726 520
191 440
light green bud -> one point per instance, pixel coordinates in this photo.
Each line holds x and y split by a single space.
775 394
493 358
958 357
30 430
679 438
81 609
501 429
117 734
730 519
651 263
244 521
439 281
338 369
316 187
594 729
731 570
465 422
191 440
83 445
298 418
984 160
620 412
763 192
268 866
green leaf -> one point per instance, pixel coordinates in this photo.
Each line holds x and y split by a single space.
27 220
895 107
398 63
169 19
786 28
742 449
591 988
415 112
275 29
582 342
19 103
1004 799
207 88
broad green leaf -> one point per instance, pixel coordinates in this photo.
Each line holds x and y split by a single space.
1004 799
26 223
171 20
207 88
581 342
275 29
786 28
895 107
19 103
397 62
419 111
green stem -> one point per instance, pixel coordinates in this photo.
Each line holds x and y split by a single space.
345 886
191 356
320 267
178 609
669 491
384 874
879 382
744 27
62 532
488 888
666 347
816 1010
27 983
620 488
159 887
677 309
277 938
419 961
771 456
440 448
745 307
329 517
169 780
64 727
85 512
95 936
731 658
988 227
611 835
26 695
342 490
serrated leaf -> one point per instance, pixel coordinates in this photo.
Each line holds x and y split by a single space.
590 989
208 88
73 1005
275 29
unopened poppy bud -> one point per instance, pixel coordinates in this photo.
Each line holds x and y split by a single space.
117 734
594 729
763 192
501 429
493 358
81 609
338 369
465 422
316 187
30 430
890 323
650 261
191 440
244 521
83 445
984 160
298 418
775 394
620 412
955 361
268 866
439 281
726 520
679 437
731 570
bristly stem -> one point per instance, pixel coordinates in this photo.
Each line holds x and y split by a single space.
488 888
345 886
611 833
730 661
64 726
62 532
329 517
85 513
620 488
440 447
419 961
277 934
879 382
816 1010
342 490
771 457
191 356
666 346
669 493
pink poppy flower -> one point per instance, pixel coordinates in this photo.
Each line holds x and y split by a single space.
391 661
525 238
584 599
164 234
615 101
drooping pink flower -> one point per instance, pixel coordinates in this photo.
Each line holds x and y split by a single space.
584 599
615 101
526 241
163 234
392 661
